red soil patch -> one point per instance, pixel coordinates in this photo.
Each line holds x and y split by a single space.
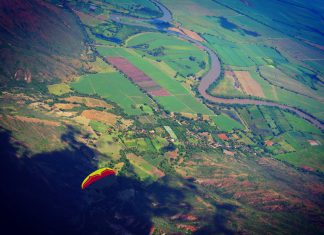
235 136
222 137
313 142
100 116
203 202
65 106
172 154
189 228
229 73
152 230
308 168
250 86
191 34
187 217
181 160
157 172
315 188
268 143
137 76
229 153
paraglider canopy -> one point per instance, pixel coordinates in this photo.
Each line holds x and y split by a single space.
96 176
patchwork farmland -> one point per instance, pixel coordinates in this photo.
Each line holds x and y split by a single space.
137 76
180 99
249 85
234 159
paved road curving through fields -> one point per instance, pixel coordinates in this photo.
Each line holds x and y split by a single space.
215 69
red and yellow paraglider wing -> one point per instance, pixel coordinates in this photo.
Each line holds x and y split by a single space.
97 175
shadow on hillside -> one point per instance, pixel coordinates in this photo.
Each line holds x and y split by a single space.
42 194
217 223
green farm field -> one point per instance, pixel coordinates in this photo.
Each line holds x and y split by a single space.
115 87
274 93
225 123
181 56
59 89
246 40
243 55
311 103
181 99
226 87
308 157
209 112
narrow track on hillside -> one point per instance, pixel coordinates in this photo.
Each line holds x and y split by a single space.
215 70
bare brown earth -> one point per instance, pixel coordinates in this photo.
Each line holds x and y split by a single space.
243 183
250 86
90 18
33 120
189 228
191 34
172 154
65 106
268 143
138 76
89 102
100 116
223 136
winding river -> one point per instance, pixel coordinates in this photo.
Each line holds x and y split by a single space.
215 69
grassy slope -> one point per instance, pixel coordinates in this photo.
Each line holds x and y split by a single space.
39 38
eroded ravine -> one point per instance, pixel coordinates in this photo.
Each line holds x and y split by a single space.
215 70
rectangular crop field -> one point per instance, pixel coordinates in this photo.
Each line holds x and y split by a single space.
249 85
171 132
114 87
309 157
225 123
138 77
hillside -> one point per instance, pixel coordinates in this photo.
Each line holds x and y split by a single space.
38 41
208 113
